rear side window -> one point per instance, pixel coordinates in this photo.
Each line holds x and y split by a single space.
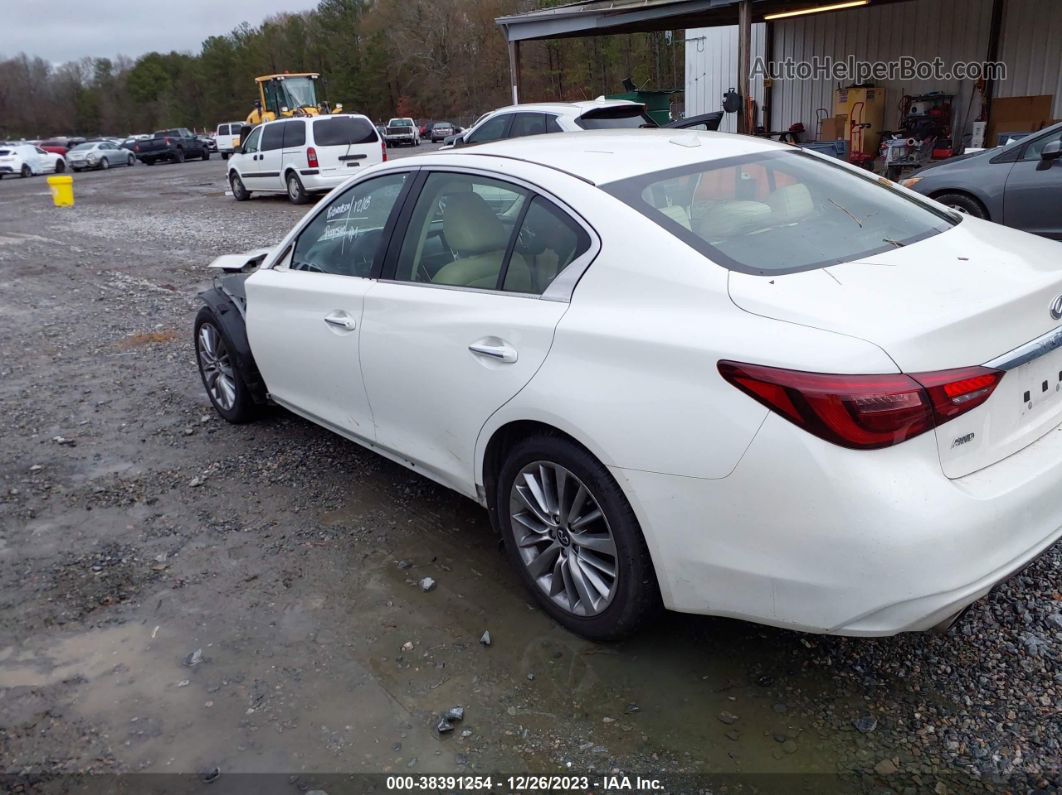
294 133
343 131
779 212
548 241
528 124
616 117
272 137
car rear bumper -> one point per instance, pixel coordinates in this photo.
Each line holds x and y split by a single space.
314 181
810 536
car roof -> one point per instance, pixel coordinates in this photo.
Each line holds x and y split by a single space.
601 156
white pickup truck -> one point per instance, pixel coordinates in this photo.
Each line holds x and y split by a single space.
402 131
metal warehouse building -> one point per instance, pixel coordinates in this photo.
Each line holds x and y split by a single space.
1029 42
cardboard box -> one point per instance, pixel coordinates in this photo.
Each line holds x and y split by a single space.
834 128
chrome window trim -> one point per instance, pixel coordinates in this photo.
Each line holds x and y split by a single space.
563 286
1030 351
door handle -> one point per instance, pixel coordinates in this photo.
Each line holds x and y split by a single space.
341 320
494 348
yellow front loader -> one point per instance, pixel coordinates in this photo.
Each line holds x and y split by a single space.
288 94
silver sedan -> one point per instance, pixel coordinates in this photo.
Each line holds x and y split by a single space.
99 154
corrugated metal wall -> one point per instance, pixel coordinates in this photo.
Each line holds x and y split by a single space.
711 69
954 30
1031 46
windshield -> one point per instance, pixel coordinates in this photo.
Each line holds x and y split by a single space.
780 212
82 147
298 92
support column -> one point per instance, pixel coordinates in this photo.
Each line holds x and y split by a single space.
514 70
744 63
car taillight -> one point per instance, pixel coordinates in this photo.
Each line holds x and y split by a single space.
167 141
311 157
136 147
383 148
864 412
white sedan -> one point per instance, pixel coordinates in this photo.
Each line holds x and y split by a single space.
27 160
703 371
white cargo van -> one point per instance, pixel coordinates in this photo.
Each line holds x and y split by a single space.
227 138
304 155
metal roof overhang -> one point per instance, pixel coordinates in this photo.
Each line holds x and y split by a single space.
603 17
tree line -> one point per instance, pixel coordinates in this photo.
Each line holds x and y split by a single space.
439 59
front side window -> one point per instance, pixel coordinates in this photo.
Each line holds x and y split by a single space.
347 236
251 144
492 129
460 231
1035 148
779 212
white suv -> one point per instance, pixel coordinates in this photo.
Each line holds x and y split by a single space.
303 156
516 121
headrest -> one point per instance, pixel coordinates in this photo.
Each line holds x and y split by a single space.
470 226
791 203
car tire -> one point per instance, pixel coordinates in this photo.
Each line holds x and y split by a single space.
967 205
296 192
130 161
224 386
148 162
224 155
60 166
105 163
25 171
178 156
239 190
75 168
206 154
633 596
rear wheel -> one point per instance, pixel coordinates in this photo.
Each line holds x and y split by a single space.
131 161
206 154
967 205
26 171
573 537
105 163
178 156
60 166
224 155
239 192
214 351
296 192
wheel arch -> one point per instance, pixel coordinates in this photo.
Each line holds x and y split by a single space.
936 194
233 325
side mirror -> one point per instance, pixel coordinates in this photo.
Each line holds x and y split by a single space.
1053 151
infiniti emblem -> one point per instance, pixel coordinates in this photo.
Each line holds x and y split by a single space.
1056 308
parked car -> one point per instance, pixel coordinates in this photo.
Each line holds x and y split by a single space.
440 130
721 374
303 156
402 131
58 146
99 154
175 145
1018 185
516 121
227 138
424 128
208 141
27 160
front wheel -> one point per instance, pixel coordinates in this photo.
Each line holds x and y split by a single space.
239 192
178 156
967 205
131 161
217 367
26 171
105 164
296 192
206 154
574 539
60 166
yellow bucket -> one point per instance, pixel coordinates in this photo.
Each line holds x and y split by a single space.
62 191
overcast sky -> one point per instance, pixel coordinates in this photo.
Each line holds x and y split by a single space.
65 30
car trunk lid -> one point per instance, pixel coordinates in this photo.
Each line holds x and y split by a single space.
963 297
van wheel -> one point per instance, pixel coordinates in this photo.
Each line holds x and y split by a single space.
574 539
239 192
296 192
224 155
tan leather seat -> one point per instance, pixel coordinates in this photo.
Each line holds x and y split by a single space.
479 239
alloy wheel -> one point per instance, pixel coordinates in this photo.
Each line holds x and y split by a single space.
216 365
563 538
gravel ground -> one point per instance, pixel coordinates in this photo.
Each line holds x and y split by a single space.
178 594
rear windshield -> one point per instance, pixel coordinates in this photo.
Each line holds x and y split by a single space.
343 131
84 146
780 212
400 123
618 117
